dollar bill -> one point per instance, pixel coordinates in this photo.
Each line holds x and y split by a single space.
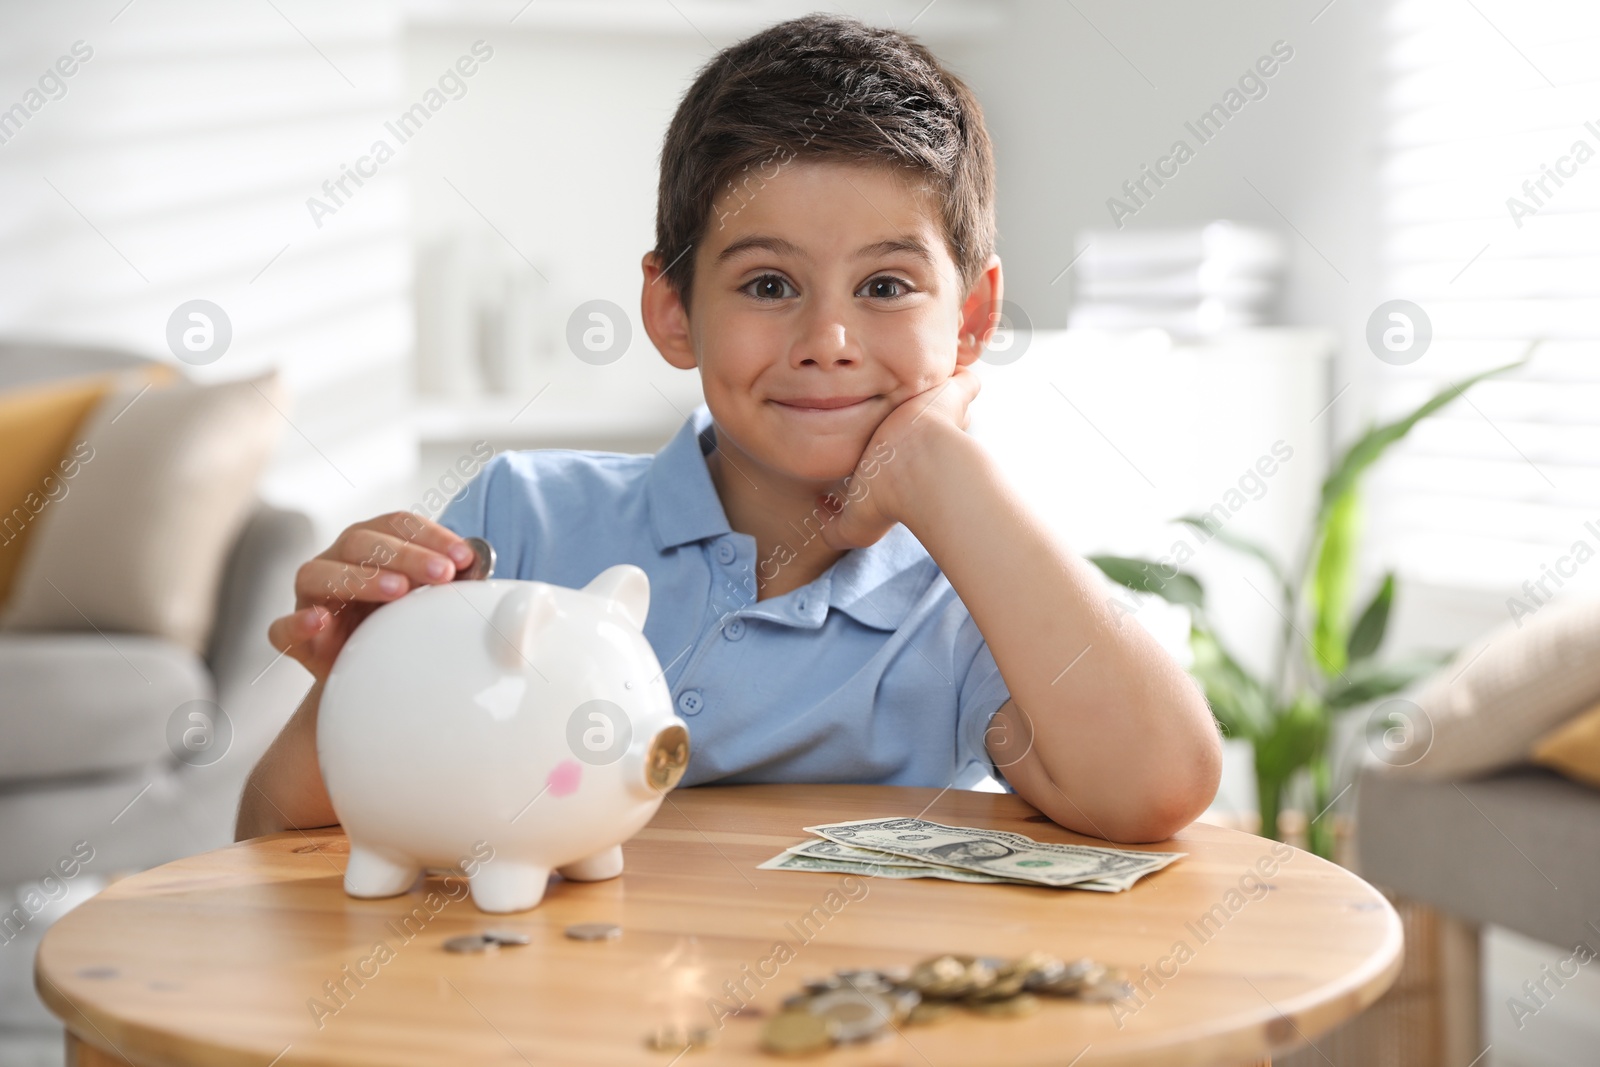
825 849
865 861
997 852
794 861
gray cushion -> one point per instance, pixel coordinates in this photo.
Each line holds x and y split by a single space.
80 703
1520 848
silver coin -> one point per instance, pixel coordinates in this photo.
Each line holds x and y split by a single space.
593 931
1108 987
859 1015
470 943
904 999
482 564
867 981
506 937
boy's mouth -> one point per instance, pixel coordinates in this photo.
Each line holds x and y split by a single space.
823 403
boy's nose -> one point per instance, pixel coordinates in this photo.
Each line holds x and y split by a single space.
825 344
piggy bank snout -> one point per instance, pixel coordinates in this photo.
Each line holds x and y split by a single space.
666 758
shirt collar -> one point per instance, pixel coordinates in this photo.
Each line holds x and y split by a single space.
684 505
880 584
877 585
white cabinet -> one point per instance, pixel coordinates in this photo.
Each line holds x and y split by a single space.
1112 436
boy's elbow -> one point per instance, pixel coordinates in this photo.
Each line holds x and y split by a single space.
1164 818
1181 798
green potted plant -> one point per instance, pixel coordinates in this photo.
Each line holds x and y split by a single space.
1288 718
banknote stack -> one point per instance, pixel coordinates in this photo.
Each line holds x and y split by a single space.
860 1005
917 848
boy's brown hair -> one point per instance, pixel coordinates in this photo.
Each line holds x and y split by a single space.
823 87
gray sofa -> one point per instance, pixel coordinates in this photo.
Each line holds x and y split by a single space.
1519 849
1489 850
84 755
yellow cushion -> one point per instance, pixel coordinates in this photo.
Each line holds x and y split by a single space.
141 544
36 427
1573 748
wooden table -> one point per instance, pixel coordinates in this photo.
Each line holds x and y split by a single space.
224 957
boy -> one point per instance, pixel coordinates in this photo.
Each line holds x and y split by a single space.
843 585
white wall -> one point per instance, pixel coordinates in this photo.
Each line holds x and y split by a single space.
1081 95
177 166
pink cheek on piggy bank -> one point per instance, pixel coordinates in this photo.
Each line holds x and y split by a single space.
564 778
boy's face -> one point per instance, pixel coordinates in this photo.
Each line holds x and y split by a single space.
827 284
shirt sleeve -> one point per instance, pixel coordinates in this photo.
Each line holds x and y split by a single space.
467 513
982 693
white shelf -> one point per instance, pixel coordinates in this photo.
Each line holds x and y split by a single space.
727 20
497 418
627 406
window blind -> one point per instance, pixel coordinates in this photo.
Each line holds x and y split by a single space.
1490 186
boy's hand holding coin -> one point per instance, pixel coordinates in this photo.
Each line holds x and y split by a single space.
369 564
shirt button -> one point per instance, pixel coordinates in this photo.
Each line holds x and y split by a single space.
726 551
690 702
733 630
800 605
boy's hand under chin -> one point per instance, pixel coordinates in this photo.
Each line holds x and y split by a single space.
864 508
1123 745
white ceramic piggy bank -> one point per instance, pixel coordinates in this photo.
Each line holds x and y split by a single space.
519 721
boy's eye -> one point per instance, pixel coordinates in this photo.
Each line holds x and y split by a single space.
769 287
885 287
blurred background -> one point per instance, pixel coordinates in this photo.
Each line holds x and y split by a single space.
413 230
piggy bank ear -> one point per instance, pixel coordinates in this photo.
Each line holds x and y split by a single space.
628 589
516 622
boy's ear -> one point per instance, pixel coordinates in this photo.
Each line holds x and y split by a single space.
666 320
980 313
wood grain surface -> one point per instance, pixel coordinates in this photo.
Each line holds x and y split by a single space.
253 954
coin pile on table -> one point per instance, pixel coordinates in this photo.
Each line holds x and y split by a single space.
859 1005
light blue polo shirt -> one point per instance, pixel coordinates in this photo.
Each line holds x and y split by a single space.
873 673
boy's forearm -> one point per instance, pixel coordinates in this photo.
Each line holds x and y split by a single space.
285 790
1123 738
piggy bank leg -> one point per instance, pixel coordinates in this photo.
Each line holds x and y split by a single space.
373 874
604 864
506 885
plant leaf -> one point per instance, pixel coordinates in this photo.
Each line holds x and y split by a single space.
1373 623
1296 736
1368 680
1370 446
1239 544
1144 576
1330 584
1237 699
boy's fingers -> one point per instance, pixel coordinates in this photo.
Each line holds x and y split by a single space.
291 633
417 530
955 394
332 583
280 633
367 549
967 384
